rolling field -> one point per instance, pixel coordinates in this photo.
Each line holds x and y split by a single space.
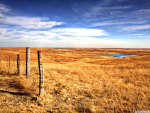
76 81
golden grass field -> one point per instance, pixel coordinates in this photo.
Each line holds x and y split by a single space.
76 81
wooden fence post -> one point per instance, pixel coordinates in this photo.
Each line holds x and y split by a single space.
41 74
27 62
18 65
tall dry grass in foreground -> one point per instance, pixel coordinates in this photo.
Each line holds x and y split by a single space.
78 81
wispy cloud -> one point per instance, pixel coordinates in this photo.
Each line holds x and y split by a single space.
80 32
116 23
40 31
62 37
29 29
101 9
47 35
141 36
4 8
136 28
119 17
2 31
138 34
29 22
143 11
25 22
133 20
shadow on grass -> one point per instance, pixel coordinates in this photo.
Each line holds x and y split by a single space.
4 73
14 93
12 83
19 87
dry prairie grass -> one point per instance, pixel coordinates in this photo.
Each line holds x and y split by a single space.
77 81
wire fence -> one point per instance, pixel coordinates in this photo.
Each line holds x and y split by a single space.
8 64
15 64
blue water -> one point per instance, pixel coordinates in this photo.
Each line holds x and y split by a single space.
117 55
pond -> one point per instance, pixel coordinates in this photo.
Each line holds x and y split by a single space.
117 55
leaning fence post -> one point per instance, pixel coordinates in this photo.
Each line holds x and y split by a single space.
41 74
27 62
18 65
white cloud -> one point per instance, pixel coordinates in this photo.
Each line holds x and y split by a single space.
136 28
93 42
29 22
80 32
48 35
2 31
116 23
31 35
138 34
143 11
46 41
24 21
51 35
66 38
4 8
100 9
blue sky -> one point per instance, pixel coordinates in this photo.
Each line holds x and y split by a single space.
75 23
